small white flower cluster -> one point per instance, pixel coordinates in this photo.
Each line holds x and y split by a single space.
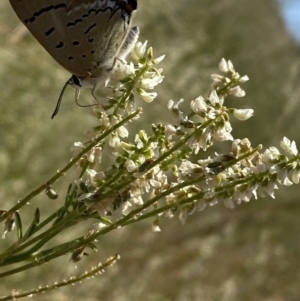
152 77
128 78
144 76
237 177
94 155
212 118
155 173
134 162
232 76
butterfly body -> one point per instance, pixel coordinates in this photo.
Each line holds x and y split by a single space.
86 37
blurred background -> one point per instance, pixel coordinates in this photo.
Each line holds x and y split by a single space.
248 253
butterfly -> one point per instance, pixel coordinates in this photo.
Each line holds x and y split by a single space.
86 37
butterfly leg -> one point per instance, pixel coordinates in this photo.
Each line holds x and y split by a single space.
102 98
97 97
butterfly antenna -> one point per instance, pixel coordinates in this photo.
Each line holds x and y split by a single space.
60 98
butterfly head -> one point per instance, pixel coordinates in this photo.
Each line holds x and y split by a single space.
78 82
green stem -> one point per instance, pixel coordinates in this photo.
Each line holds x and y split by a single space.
43 238
72 162
158 160
130 88
72 280
128 219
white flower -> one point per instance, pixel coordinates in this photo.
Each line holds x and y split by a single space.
198 105
150 83
93 176
223 134
211 114
188 169
155 228
77 148
138 141
215 99
282 177
244 79
159 59
170 130
217 78
150 74
243 114
244 194
226 66
223 65
154 183
91 155
200 142
240 146
269 189
122 71
138 200
130 165
287 182
296 176
270 154
237 91
227 126
139 50
122 131
171 198
172 105
114 141
147 96
174 108
135 193
289 147
230 66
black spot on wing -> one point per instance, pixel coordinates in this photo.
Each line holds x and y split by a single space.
86 15
71 24
42 11
90 28
49 31
78 21
59 45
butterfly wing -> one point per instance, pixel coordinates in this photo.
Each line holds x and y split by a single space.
84 36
